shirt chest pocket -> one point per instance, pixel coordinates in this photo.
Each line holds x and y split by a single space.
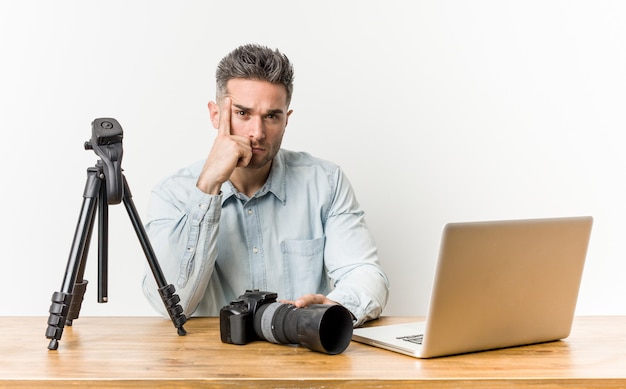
303 262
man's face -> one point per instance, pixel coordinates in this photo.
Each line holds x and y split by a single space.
259 111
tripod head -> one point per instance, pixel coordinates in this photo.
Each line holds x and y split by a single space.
106 142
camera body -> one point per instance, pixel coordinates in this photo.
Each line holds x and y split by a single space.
237 318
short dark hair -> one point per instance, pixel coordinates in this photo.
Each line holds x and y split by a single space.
255 62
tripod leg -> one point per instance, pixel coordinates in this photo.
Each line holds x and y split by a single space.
80 284
103 246
66 303
170 299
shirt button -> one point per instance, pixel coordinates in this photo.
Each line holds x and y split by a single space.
249 212
255 250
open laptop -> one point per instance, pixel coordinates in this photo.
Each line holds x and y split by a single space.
497 284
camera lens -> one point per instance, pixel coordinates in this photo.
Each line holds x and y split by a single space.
325 328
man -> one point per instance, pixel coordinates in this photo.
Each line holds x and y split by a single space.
255 216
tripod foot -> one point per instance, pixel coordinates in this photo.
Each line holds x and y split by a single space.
54 344
58 318
171 300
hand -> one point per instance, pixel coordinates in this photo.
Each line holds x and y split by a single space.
228 152
309 299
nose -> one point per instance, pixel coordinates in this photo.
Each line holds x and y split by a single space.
256 128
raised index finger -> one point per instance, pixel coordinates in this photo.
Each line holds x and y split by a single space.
225 110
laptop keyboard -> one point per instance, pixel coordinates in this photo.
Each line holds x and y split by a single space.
412 338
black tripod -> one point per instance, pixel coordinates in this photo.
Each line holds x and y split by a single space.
106 141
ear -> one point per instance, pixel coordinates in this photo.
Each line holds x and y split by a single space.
287 118
214 114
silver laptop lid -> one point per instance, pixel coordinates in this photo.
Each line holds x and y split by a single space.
505 283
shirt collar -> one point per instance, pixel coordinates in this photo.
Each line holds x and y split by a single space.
275 183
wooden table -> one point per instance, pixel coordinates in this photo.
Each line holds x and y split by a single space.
121 352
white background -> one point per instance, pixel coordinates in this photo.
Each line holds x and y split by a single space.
438 111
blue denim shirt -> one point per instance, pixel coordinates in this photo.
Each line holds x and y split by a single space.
303 232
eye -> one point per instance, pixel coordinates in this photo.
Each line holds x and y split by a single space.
240 113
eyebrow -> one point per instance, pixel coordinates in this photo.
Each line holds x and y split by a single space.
270 112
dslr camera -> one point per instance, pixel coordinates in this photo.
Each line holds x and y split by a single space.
256 315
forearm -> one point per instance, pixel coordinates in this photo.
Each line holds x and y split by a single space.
364 292
351 257
184 237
